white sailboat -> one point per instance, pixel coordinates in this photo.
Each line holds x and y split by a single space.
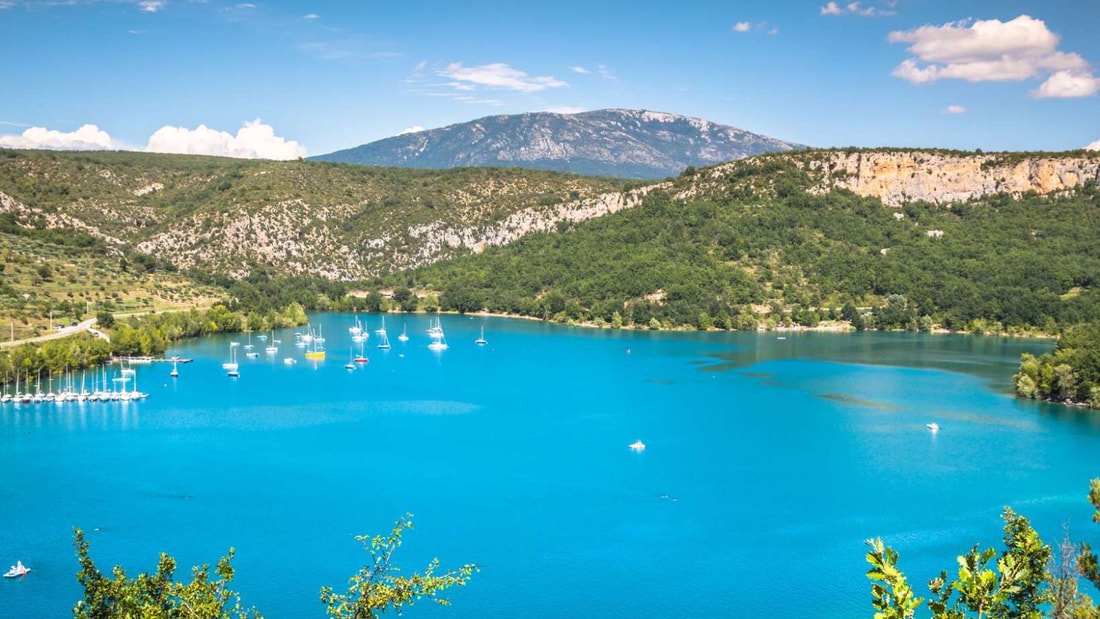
231 366
272 348
175 372
350 365
385 343
381 330
404 337
248 346
481 341
439 341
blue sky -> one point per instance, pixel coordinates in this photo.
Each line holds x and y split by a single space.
284 78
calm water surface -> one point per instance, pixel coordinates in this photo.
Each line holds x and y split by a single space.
769 462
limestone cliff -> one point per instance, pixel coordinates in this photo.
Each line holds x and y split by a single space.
897 177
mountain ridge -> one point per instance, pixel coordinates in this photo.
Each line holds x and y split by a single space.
613 142
350 223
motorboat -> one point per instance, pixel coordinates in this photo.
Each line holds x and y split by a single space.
637 446
17 570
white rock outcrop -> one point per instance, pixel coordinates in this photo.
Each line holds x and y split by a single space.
899 177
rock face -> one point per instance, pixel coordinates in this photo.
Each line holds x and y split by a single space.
622 143
898 177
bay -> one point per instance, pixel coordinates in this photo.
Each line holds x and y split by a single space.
768 463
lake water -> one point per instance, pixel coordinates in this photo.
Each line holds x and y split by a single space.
768 463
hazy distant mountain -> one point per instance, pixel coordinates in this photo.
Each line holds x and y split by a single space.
623 143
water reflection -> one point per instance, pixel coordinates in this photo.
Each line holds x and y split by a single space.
71 416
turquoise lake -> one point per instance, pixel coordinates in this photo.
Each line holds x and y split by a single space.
768 463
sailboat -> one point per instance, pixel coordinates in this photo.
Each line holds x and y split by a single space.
439 342
272 348
350 365
385 343
382 330
231 366
481 340
248 346
404 337
175 372
316 352
361 358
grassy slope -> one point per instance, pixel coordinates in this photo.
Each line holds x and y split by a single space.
234 216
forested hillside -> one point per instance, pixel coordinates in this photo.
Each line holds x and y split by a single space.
764 248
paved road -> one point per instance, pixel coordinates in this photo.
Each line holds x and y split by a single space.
60 333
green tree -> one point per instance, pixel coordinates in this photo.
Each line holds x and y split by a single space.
374 589
374 301
1024 581
156 595
377 587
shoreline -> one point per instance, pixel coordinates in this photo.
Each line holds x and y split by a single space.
824 327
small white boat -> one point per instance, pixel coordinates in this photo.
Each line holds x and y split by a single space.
404 337
17 570
637 446
932 426
481 340
290 361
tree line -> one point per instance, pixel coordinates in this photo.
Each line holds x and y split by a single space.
766 249
1069 374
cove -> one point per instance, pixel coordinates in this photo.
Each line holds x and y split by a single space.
768 462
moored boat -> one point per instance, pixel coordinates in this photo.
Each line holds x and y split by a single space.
17 570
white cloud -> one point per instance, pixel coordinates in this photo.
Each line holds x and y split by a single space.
152 6
954 109
994 51
744 26
581 70
87 137
254 140
496 75
1094 146
412 129
1068 84
857 8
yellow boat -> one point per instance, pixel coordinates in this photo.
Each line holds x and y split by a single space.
315 354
